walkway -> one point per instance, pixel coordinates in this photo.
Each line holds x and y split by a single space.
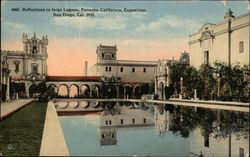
53 142
7 108
223 105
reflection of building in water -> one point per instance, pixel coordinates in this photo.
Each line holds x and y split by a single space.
163 120
217 146
107 136
122 118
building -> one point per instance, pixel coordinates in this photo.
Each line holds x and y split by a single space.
29 66
227 42
126 70
5 79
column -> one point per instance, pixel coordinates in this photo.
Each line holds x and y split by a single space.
156 83
68 91
27 89
118 92
42 66
8 88
124 95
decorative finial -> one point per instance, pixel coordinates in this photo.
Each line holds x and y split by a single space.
34 34
229 14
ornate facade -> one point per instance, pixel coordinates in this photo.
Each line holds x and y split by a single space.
225 42
162 77
28 66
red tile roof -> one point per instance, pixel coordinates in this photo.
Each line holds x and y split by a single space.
132 83
73 78
16 79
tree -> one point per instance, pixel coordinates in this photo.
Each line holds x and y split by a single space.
207 83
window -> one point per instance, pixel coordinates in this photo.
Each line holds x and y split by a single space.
241 152
34 50
121 69
144 70
107 122
109 68
241 46
133 121
144 120
106 68
206 57
121 121
113 136
113 55
110 122
133 70
206 140
16 65
34 68
102 55
102 136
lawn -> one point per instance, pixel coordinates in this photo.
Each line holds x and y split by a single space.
21 133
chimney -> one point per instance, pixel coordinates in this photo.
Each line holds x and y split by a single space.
86 68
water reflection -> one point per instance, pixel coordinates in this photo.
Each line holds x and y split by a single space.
190 130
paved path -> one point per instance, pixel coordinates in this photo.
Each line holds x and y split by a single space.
224 105
53 142
7 108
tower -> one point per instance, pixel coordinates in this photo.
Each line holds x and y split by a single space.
106 53
35 57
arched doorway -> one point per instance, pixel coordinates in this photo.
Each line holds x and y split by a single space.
52 91
95 91
33 91
84 91
73 91
161 90
128 90
111 91
63 91
137 92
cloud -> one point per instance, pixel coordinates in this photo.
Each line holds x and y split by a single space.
169 21
14 25
108 23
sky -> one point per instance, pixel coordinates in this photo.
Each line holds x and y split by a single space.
162 32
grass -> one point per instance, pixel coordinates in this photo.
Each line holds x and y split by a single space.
21 133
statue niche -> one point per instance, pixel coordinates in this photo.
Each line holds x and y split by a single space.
34 47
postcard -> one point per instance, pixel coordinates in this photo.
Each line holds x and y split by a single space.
124 78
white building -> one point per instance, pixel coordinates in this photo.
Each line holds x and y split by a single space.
227 42
28 66
127 70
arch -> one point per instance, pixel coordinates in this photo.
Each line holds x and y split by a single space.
161 90
52 87
120 89
33 90
63 92
137 92
128 90
95 91
84 91
52 91
73 90
145 88
73 104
